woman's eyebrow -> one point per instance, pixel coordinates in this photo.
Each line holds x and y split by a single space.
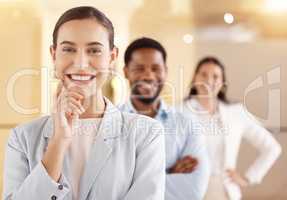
94 43
68 42
88 44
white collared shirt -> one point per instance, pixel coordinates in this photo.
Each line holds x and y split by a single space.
211 126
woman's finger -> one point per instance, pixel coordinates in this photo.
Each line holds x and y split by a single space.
76 95
56 96
75 109
77 103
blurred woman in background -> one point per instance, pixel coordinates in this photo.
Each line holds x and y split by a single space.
224 125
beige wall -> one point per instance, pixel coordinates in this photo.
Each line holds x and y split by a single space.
20 49
273 186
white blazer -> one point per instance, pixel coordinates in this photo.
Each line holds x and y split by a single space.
241 124
127 161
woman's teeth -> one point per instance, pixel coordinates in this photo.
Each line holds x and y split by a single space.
81 77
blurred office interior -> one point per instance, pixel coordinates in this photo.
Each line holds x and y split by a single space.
248 36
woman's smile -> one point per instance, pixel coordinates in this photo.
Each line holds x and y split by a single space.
81 79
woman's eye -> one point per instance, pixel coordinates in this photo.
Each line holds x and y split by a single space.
69 50
94 51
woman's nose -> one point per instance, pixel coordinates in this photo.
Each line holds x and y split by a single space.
81 60
210 80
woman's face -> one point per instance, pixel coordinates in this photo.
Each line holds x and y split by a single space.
83 56
208 80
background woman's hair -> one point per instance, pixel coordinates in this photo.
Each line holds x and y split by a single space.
222 93
84 12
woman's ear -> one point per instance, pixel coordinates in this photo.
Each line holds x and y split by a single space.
114 55
53 53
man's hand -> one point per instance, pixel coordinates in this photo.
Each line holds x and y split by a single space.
237 178
186 164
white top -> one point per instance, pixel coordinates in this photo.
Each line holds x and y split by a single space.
78 154
214 136
212 128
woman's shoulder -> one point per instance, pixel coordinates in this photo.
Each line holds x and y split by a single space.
234 106
34 124
240 112
32 128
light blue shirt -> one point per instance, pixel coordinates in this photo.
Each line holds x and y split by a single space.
181 139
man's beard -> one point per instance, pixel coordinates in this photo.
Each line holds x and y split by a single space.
142 98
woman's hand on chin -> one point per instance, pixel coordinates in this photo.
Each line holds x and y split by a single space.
67 108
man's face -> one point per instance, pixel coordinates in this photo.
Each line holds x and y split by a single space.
146 73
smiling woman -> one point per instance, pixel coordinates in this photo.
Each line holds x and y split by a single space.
87 148
74 49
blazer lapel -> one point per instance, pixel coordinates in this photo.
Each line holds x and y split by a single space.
110 128
99 155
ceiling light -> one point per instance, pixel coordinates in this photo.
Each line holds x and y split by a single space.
188 38
228 18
